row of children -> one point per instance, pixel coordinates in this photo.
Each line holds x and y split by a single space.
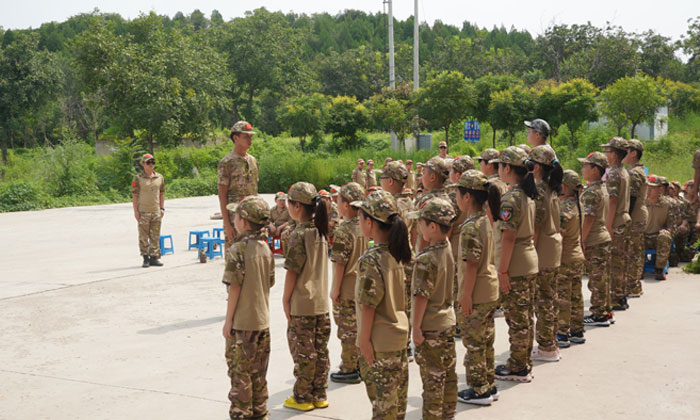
515 234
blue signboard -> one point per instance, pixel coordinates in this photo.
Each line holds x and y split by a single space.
472 131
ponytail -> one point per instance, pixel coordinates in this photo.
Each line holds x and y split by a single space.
493 196
580 214
399 247
527 178
552 175
320 213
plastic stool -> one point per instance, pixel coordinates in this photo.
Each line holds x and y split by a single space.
208 244
163 249
650 261
217 232
198 235
275 244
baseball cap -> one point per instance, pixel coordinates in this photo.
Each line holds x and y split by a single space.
396 171
511 155
543 154
379 205
439 166
526 148
595 158
462 163
334 190
352 191
302 192
242 127
145 158
571 179
253 209
616 143
471 179
436 210
360 160
635 144
653 180
488 155
280 196
539 125
442 144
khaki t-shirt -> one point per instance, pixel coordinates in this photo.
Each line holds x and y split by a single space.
476 244
594 202
617 181
348 246
433 278
518 214
638 189
497 230
307 255
570 231
380 285
278 218
251 266
371 178
148 191
411 181
548 244
659 217
358 175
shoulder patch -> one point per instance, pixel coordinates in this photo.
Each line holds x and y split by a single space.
506 213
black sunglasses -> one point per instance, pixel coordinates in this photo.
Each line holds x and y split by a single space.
151 162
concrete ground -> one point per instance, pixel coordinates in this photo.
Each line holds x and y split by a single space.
86 333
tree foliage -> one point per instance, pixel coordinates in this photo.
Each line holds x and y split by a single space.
305 115
631 100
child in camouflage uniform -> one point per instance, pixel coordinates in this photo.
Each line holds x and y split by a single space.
659 230
477 298
518 264
595 238
639 215
305 298
570 298
249 274
433 316
348 246
435 172
382 323
459 165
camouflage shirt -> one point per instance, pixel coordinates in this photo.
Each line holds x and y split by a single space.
234 273
239 174
617 181
594 202
638 190
495 180
570 222
295 254
343 240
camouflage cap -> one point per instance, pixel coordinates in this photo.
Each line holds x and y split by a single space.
242 127
334 190
663 181
370 162
688 184
406 192
442 144
396 171
544 155
147 157
635 144
511 155
374 188
539 125
302 192
360 160
595 158
388 159
524 147
653 180
409 162
616 143
436 210
439 166
676 184
488 155
419 165
571 179
462 164
280 196
352 191
379 205
471 179
324 193
253 209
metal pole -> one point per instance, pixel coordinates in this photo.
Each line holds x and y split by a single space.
392 77
416 82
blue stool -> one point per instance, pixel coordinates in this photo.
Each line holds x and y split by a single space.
163 249
650 261
208 245
217 232
198 235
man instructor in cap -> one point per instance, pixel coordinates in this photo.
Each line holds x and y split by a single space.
237 174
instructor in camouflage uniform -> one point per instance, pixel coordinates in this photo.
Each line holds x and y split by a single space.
147 192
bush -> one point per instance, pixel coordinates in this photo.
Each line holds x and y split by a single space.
20 196
190 187
68 169
116 171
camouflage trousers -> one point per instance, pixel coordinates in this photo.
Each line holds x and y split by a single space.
661 242
570 298
478 334
546 309
247 356
597 258
436 357
345 318
387 384
408 271
519 310
149 234
635 258
308 343
617 263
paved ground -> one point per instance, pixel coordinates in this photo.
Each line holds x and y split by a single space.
86 333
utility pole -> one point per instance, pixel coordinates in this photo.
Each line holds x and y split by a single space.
416 82
392 75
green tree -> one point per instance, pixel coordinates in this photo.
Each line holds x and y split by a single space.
304 115
691 47
631 100
510 107
347 117
485 86
445 99
392 109
683 98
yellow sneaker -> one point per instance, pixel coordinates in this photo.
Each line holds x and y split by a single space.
291 402
321 404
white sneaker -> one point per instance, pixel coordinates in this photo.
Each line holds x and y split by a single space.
545 356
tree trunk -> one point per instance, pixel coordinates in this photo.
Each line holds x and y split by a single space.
619 131
302 143
493 140
571 146
149 142
634 127
447 135
4 146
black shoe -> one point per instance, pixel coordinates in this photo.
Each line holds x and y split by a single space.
596 321
622 305
352 377
563 341
468 396
494 393
409 353
577 338
156 262
146 261
659 274
458 333
505 374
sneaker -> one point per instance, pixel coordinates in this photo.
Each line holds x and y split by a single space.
321 404
636 294
494 393
659 274
499 313
596 321
291 402
577 338
410 354
505 374
352 377
611 318
458 333
146 261
156 262
563 341
621 305
545 356
468 396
